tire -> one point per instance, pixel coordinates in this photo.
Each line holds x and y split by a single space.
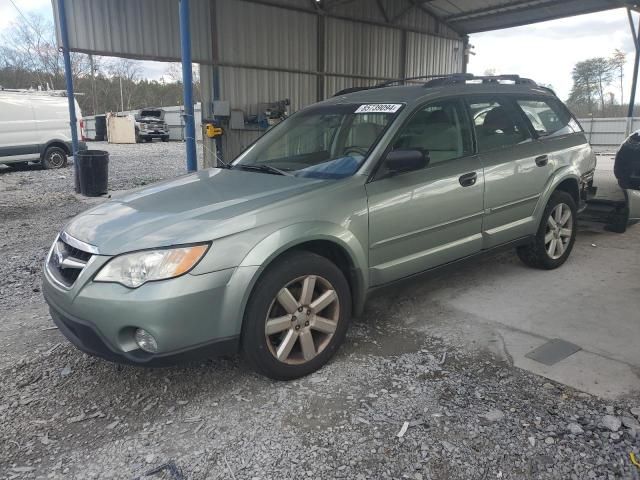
148 140
537 254
138 139
165 139
286 353
54 157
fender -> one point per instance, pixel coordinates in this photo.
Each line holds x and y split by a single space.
559 176
280 241
66 146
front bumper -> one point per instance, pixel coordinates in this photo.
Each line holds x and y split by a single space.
190 316
154 134
87 338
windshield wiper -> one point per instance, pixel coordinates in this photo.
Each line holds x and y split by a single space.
263 168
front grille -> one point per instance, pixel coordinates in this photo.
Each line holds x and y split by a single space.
65 262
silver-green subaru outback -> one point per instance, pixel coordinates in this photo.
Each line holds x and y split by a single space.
272 254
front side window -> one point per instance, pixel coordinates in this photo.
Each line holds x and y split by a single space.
328 141
497 125
439 130
548 118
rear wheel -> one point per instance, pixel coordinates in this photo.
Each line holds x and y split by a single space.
54 157
556 235
297 316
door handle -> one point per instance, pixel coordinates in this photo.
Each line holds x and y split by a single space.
542 160
468 179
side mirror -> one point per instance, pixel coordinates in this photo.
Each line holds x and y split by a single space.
400 161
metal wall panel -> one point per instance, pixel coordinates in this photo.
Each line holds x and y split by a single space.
146 29
427 55
261 35
355 48
244 88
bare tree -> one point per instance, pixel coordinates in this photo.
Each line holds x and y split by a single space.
128 72
618 61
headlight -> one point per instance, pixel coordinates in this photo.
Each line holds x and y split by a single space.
135 269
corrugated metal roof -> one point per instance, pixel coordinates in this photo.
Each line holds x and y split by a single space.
471 16
149 28
146 29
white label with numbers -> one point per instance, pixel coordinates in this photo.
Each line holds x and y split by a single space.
379 108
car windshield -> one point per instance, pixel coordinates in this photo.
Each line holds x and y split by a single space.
328 141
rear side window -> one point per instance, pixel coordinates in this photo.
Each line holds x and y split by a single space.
497 124
548 117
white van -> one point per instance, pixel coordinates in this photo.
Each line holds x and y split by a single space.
34 127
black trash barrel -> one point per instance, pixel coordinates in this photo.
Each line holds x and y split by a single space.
101 128
93 172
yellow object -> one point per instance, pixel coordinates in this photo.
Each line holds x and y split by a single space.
212 131
634 460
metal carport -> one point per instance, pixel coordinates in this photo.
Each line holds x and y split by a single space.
253 51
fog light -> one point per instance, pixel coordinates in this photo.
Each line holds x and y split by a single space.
145 341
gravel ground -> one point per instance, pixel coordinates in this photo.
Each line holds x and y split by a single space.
395 403
36 203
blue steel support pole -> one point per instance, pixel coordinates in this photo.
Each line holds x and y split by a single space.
73 121
187 83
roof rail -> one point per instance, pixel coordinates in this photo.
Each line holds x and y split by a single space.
464 78
400 81
344 91
440 80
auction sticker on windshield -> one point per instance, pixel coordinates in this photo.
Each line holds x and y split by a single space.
379 108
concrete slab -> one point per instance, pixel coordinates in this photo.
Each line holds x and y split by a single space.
586 371
500 305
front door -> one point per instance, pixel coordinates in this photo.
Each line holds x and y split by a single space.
421 219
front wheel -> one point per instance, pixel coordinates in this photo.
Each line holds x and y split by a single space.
556 235
54 157
297 316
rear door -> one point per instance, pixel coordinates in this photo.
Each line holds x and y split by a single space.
516 168
425 218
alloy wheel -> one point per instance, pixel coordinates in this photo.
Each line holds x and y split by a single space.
559 231
302 319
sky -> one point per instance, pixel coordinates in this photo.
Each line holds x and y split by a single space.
545 52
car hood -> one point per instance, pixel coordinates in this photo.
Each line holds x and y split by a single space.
193 208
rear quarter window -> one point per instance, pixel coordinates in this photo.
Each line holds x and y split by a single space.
548 117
